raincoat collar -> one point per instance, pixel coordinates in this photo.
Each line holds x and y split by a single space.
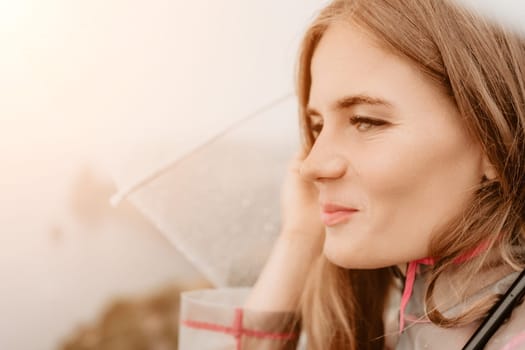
411 272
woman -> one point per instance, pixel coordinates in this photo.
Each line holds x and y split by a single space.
408 195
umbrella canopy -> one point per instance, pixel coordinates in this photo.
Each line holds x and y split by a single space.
219 204
204 162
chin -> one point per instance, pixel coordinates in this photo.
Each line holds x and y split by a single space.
337 255
351 258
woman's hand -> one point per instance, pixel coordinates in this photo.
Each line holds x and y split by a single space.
300 243
301 215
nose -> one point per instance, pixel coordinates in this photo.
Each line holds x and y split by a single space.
323 162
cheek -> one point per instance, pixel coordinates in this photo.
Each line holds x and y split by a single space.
398 164
387 168
415 184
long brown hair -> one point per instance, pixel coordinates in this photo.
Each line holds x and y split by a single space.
481 67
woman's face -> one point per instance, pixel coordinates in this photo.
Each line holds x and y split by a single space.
391 146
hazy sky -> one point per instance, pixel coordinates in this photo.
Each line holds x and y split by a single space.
80 73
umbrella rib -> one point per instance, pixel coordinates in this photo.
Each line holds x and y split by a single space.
121 195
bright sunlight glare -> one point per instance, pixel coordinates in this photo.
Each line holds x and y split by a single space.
12 14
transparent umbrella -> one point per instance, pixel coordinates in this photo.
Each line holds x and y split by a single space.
204 155
219 203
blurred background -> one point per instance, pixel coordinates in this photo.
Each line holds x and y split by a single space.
84 87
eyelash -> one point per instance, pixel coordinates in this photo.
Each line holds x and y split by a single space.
354 120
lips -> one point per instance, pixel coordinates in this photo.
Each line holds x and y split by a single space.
333 214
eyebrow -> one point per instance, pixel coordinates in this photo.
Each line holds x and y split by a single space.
352 101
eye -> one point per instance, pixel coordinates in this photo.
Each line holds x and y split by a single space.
364 123
316 125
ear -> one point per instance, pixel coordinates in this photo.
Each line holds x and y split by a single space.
489 172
